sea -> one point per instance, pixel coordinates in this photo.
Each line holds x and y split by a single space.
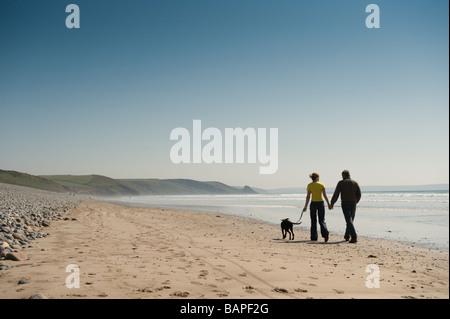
417 217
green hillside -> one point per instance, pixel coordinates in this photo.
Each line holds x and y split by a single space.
106 186
23 179
92 184
181 187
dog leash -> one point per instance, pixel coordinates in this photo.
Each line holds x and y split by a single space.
299 220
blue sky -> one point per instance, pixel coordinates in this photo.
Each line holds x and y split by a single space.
104 98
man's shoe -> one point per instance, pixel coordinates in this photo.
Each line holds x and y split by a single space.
346 238
326 237
353 241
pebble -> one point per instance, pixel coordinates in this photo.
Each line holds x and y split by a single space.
16 256
23 213
38 296
19 236
45 223
4 267
183 294
23 282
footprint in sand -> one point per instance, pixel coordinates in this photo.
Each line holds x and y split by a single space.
280 290
249 289
300 290
76 295
222 294
221 280
182 294
203 273
145 290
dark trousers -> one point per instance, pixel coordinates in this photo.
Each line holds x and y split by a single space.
317 209
349 210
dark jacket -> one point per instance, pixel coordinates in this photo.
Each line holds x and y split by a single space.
349 191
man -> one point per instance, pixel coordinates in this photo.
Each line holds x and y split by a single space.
350 196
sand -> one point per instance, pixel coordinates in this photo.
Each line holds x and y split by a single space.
143 252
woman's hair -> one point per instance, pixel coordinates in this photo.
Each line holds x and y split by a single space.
314 176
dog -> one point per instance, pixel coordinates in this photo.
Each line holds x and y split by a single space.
287 227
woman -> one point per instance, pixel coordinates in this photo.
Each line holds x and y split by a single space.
317 208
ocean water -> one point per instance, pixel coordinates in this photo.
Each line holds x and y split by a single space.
416 217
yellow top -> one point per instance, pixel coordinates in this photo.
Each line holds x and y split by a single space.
316 190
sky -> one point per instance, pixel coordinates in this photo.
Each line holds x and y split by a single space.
105 97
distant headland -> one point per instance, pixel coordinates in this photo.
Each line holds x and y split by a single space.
105 186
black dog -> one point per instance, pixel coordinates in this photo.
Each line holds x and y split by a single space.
287 227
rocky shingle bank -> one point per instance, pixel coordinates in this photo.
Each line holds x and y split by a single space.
24 215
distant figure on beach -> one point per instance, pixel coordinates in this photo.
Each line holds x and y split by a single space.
350 196
317 208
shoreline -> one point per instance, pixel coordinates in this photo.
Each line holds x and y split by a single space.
304 228
144 252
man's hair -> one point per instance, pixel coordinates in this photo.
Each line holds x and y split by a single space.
314 176
345 174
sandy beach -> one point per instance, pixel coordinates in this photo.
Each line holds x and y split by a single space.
143 252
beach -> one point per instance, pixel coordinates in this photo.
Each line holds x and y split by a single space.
121 251
419 218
